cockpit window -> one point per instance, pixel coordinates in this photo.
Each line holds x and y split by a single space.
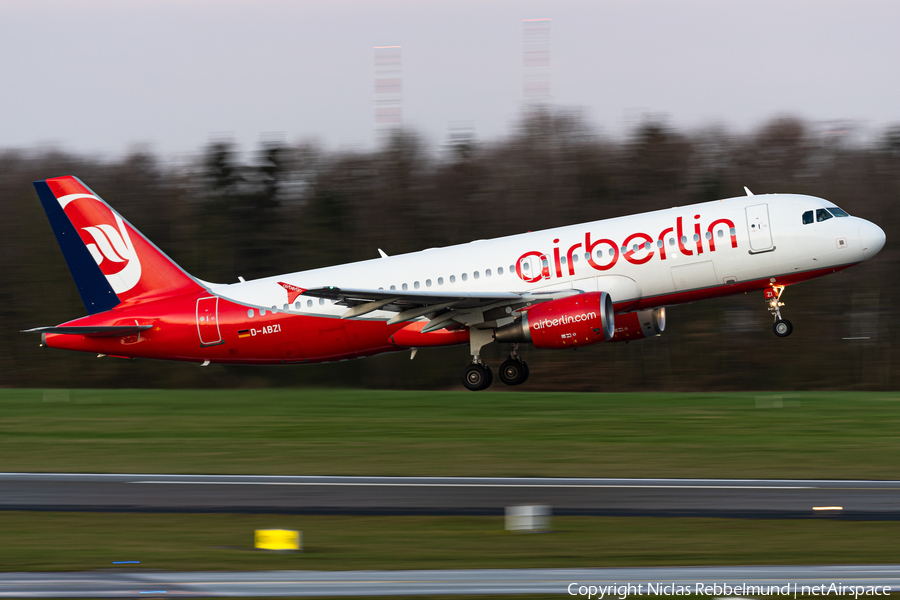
837 211
808 217
822 215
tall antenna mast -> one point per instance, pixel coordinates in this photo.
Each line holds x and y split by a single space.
388 91
536 63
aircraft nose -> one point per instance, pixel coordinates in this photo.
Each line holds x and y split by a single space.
872 239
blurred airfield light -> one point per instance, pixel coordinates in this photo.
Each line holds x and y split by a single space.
56 396
277 539
828 508
769 402
534 518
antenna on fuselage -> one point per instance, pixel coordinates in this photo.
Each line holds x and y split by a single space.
382 253
746 189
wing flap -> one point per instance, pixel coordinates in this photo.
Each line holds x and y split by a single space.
403 300
443 309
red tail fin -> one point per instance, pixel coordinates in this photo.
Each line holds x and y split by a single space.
132 265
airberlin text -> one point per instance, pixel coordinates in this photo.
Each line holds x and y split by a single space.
564 320
602 254
623 590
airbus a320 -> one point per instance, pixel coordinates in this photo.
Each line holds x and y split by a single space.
601 282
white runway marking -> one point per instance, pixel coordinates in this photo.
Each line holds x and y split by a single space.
483 485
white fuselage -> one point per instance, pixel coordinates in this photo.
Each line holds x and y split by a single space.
657 257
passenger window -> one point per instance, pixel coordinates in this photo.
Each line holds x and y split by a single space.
321 300
416 285
464 276
476 274
837 211
822 215
453 279
808 217
309 303
440 281
574 258
427 283
487 272
250 313
499 270
404 287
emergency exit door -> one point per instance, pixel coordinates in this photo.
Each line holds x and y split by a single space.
208 321
758 228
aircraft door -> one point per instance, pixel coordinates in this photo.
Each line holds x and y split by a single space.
208 321
758 228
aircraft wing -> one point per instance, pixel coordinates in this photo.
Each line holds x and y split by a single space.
441 308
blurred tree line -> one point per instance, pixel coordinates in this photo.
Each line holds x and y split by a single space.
295 207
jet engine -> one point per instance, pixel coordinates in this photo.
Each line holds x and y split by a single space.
570 322
639 325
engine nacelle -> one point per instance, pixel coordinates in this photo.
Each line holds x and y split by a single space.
639 325
578 320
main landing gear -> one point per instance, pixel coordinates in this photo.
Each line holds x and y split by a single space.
782 327
514 370
478 376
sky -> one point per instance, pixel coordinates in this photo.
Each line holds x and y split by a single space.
105 76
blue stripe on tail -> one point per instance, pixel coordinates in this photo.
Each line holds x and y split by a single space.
96 293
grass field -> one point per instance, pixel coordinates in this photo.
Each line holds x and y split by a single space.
353 432
80 541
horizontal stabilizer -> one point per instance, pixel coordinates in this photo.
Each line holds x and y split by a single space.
93 331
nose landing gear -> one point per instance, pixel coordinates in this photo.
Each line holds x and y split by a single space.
782 327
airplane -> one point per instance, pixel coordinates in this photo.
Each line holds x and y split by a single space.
601 282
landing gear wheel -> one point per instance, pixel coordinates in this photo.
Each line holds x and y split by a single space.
513 372
477 377
782 328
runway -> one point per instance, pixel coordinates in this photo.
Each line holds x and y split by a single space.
473 581
741 498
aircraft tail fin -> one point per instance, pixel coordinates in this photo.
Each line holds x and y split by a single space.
110 261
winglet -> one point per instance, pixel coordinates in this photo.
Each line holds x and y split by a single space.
746 189
382 253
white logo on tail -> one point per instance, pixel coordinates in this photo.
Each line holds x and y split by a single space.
112 246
